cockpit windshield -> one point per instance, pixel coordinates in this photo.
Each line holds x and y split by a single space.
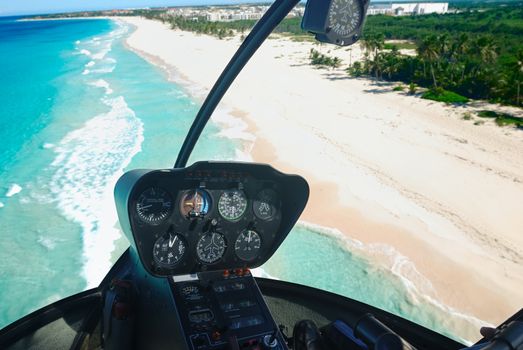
410 140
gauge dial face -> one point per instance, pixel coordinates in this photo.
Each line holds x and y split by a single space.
154 205
232 205
247 246
210 247
195 203
264 206
168 250
344 16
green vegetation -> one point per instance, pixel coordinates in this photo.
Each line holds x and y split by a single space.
467 116
319 59
356 70
442 95
412 88
400 46
218 29
290 26
398 88
502 119
475 54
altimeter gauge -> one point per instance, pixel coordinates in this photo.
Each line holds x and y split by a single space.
248 245
210 247
154 205
168 250
232 204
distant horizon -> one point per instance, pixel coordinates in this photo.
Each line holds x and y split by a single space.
24 7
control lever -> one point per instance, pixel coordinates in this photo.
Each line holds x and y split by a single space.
509 337
270 341
378 336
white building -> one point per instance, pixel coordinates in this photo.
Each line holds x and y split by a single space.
420 8
410 8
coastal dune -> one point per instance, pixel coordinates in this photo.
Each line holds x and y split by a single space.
386 169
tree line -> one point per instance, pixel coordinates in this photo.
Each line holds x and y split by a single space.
477 52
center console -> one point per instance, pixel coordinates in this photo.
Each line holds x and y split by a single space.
225 310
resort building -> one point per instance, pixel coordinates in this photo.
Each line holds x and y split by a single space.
410 8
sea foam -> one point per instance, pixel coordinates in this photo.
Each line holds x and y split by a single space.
102 84
13 189
88 163
47 145
419 288
1 205
47 243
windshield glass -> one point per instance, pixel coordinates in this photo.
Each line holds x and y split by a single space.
415 173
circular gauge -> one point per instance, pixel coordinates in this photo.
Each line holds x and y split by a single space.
154 205
191 292
232 204
345 16
168 250
210 247
195 203
264 206
247 246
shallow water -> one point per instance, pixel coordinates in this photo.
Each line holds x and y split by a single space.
70 125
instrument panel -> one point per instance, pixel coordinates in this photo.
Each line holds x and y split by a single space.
222 308
210 216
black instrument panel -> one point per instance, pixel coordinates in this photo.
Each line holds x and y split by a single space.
222 308
209 216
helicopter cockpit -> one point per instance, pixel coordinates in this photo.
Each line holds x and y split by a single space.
196 234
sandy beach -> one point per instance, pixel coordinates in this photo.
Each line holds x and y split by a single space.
405 176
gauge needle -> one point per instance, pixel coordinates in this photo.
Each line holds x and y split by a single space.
171 243
210 244
145 207
249 238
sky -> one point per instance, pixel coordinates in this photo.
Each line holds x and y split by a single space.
24 7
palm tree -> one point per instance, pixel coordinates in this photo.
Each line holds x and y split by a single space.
373 43
518 73
391 62
429 51
488 50
444 46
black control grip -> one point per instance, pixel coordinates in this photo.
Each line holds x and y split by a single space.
509 337
378 336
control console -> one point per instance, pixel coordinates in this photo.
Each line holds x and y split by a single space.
225 310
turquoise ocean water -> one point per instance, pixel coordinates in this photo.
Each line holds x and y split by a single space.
77 108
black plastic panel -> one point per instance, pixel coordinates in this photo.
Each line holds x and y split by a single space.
220 309
289 196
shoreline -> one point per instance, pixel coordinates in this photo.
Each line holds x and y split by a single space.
62 19
448 271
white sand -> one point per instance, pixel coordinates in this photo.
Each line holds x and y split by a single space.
384 167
